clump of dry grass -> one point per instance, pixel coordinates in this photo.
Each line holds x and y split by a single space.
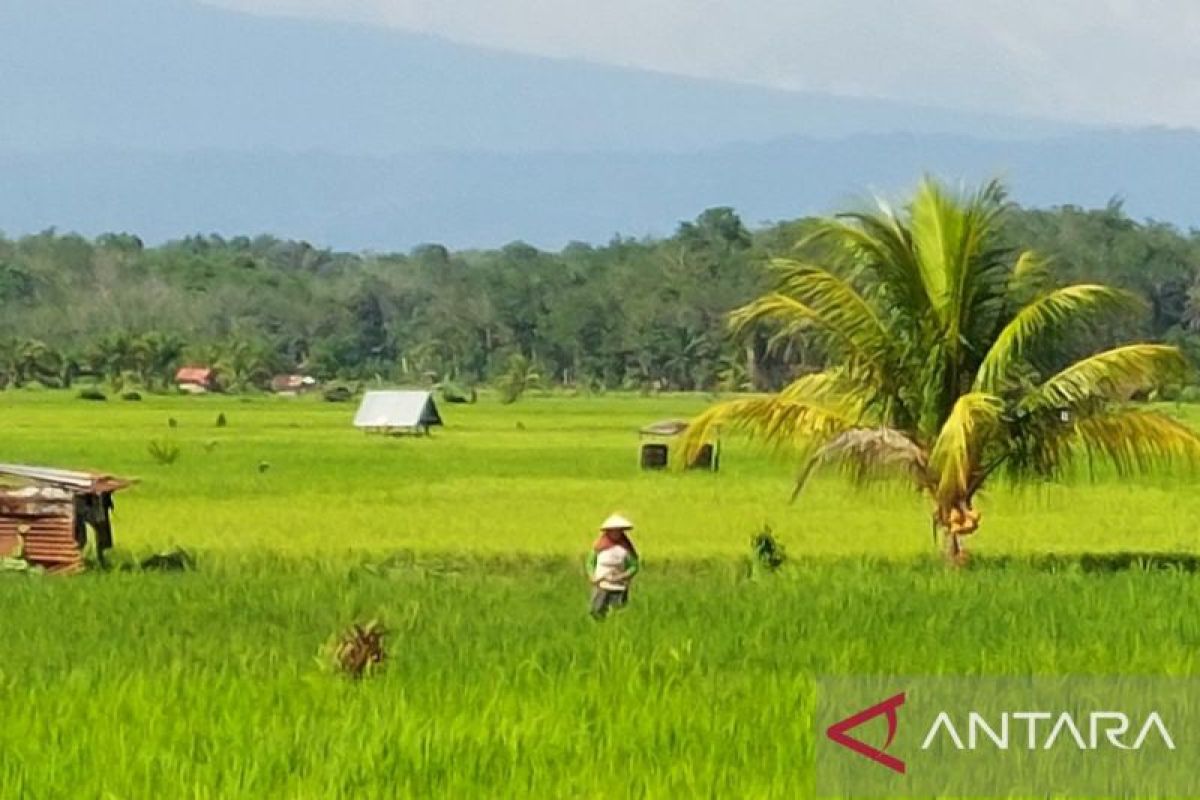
358 651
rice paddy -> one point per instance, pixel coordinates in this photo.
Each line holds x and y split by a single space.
468 546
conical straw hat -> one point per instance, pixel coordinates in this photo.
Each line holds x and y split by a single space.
616 522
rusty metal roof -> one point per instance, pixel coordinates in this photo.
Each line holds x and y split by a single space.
666 427
194 375
76 481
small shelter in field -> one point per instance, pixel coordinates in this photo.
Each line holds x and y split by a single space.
293 384
196 380
397 412
45 514
655 449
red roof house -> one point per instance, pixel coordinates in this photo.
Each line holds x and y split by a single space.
196 379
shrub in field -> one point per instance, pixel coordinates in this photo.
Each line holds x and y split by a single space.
454 393
177 560
116 559
163 451
357 651
92 393
1190 394
766 550
132 396
221 421
338 393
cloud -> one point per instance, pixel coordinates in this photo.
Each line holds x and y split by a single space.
1110 61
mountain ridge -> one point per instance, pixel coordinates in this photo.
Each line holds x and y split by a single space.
170 76
481 199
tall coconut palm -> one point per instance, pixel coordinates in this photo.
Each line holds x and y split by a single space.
952 359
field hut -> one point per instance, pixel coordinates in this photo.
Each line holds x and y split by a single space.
291 385
196 380
397 412
654 451
45 514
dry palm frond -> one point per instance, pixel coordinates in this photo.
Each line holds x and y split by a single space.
871 453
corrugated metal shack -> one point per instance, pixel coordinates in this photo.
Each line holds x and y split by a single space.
655 454
45 514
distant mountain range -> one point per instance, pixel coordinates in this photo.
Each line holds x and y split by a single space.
163 117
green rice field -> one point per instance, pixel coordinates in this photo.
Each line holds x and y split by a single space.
469 546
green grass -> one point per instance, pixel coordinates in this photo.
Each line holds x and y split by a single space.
532 477
205 685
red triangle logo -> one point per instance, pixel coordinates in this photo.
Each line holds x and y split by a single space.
838 732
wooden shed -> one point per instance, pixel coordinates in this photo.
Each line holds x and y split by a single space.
655 449
45 514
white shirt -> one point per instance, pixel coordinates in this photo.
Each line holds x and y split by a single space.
609 562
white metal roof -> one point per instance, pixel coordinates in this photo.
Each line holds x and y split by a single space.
397 409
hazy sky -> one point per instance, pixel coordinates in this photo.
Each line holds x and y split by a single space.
1123 61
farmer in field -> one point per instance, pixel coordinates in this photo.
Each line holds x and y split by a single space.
611 566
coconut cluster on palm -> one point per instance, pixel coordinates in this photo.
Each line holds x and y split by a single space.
953 358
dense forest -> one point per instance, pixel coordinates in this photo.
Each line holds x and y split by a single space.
634 314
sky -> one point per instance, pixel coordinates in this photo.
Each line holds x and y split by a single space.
1125 62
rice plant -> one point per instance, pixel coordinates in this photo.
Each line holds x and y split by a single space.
163 451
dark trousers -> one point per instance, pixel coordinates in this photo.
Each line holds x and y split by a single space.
604 600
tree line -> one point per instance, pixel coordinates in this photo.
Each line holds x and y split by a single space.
644 314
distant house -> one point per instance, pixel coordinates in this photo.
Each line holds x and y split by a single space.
45 514
293 384
196 380
397 412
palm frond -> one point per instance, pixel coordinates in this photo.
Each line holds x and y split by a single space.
868 454
880 243
802 416
937 227
1137 440
1113 375
1030 273
965 272
1048 316
809 296
955 454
